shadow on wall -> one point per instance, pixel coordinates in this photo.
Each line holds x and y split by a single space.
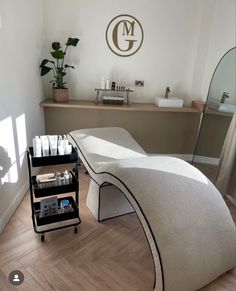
13 165
5 163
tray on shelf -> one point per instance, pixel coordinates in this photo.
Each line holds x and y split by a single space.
58 217
54 188
53 160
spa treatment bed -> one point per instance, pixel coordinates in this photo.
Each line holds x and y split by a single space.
188 226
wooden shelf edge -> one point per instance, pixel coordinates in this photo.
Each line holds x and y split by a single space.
88 104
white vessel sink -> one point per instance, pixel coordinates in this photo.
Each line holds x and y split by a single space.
172 102
221 107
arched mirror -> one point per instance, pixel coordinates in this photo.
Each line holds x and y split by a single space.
219 109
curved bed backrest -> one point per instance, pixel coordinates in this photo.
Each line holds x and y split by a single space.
105 145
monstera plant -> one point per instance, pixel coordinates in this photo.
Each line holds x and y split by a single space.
58 68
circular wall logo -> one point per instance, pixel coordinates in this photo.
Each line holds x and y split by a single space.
124 35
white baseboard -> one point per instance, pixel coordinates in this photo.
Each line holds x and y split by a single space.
207 160
189 157
15 203
185 157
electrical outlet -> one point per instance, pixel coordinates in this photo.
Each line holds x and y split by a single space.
139 83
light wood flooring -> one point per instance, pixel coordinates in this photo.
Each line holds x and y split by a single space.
112 255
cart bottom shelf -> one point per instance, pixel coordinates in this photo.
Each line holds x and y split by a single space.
56 226
40 221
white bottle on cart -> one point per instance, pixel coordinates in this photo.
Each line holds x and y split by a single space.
65 142
37 147
60 145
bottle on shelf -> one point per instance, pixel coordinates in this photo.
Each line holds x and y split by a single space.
58 177
66 177
107 84
113 86
102 83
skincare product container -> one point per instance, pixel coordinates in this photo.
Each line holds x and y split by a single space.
64 203
45 145
61 150
53 144
113 86
60 146
37 149
65 143
66 175
68 149
107 84
58 177
103 84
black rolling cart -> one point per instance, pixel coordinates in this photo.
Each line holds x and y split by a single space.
39 191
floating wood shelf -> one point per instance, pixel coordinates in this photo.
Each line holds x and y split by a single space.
85 104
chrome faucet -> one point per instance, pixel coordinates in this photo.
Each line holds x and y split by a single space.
167 92
224 96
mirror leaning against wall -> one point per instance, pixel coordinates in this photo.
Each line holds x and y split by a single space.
218 127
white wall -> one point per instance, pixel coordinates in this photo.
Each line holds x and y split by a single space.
167 57
20 93
221 39
183 41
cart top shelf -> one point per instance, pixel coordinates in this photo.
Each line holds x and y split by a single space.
53 160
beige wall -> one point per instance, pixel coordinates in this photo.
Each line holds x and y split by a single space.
156 132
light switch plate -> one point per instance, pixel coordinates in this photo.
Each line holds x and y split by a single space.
139 83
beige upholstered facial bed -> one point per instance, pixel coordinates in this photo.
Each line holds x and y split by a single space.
190 231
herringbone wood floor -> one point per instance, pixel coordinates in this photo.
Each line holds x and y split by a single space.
113 255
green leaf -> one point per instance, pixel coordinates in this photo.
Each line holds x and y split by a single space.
45 70
58 54
56 46
44 62
72 41
52 62
67 66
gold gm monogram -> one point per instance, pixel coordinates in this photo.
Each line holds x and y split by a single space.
124 35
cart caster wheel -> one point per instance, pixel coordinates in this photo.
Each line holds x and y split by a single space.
42 237
75 230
